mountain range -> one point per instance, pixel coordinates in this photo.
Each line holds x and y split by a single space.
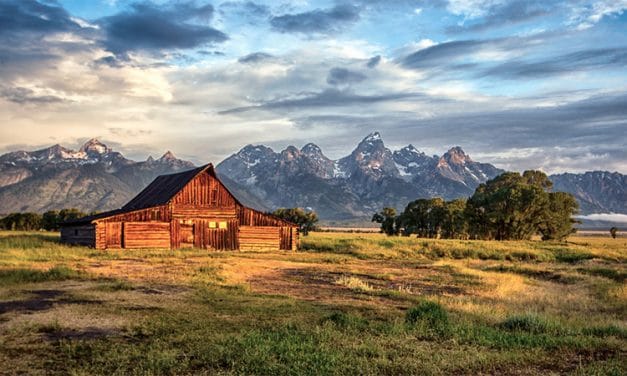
370 177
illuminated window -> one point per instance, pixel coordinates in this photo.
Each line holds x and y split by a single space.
154 215
212 225
222 224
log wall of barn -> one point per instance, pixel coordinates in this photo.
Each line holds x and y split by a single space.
259 238
79 235
146 235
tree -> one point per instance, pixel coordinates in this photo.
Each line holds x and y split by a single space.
50 220
558 219
613 232
69 214
21 222
423 217
306 220
510 206
454 224
387 219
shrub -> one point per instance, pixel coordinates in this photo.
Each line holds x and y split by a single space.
347 321
429 315
524 323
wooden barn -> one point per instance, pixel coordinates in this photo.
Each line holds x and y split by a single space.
187 209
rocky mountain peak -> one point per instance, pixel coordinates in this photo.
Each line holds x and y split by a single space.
93 147
168 156
251 153
457 156
290 153
311 149
372 137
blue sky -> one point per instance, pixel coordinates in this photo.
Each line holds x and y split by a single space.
520 84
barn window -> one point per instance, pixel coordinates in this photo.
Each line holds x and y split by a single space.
214 196
154 215
222 225
212 225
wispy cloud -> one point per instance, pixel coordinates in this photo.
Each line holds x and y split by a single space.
322 21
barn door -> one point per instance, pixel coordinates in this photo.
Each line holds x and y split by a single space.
218 234
187 235
113 235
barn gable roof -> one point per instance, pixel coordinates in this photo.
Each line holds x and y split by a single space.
157 193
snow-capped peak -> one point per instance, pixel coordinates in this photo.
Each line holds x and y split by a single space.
310 149
374 136
94 146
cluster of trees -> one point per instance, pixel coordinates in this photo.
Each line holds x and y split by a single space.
33 221
305 219
509 207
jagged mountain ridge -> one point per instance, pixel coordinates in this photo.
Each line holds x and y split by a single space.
354 186
372 176
596 191
92 178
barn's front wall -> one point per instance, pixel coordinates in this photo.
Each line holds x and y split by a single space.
203 214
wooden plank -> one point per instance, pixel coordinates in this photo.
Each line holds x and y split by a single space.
146 235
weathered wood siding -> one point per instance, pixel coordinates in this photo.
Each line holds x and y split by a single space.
204 191
79 235
259 238
146 235
113 234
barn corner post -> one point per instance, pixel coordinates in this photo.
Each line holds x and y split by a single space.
188 209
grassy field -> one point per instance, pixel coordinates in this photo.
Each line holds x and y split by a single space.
345 304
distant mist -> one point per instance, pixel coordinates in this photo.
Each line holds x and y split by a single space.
606 217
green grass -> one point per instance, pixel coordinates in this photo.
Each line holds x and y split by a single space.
347 304
21 276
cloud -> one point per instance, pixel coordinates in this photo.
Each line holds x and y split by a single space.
578 136
592 59
30 16
441 53
373 61
248 9
505 14
150 27
254 57
22 95
319 21
326 98
584 16
342 76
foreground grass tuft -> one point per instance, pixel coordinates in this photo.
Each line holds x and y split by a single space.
19 276
525 323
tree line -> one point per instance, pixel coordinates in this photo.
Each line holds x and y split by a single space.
48 221
512 206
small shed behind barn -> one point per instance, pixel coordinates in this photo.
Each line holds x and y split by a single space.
187 209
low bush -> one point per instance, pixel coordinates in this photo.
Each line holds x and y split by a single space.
524 323
430 316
